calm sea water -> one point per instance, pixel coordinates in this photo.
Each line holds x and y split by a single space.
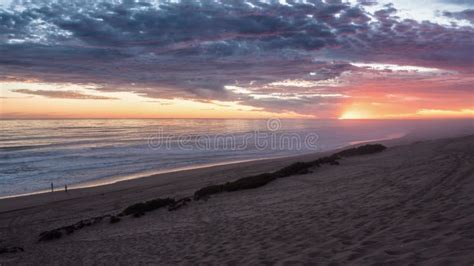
34 153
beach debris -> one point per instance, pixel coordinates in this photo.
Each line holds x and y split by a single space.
362 150
209 190
138 214
11 250
69 229
114 219
179 203
297 168
139 209
250 182
50 235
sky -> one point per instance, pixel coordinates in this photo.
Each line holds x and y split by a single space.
237 59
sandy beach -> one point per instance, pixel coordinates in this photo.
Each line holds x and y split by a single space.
410 204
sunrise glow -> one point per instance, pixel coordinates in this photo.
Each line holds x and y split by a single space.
351 67
355 115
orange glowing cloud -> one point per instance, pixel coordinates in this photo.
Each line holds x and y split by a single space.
37 100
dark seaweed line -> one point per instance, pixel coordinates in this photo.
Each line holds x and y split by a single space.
250 182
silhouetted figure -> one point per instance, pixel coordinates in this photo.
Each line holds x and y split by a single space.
52 187
65 188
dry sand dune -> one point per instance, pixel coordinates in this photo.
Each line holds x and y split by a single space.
410 204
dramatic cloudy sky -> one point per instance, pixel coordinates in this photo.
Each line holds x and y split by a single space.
315 58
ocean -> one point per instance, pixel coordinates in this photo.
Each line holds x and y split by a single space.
80 152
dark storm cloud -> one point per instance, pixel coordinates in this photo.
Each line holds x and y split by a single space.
192 49
63 94
367 2
409 42
195 47
467 14
458 2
